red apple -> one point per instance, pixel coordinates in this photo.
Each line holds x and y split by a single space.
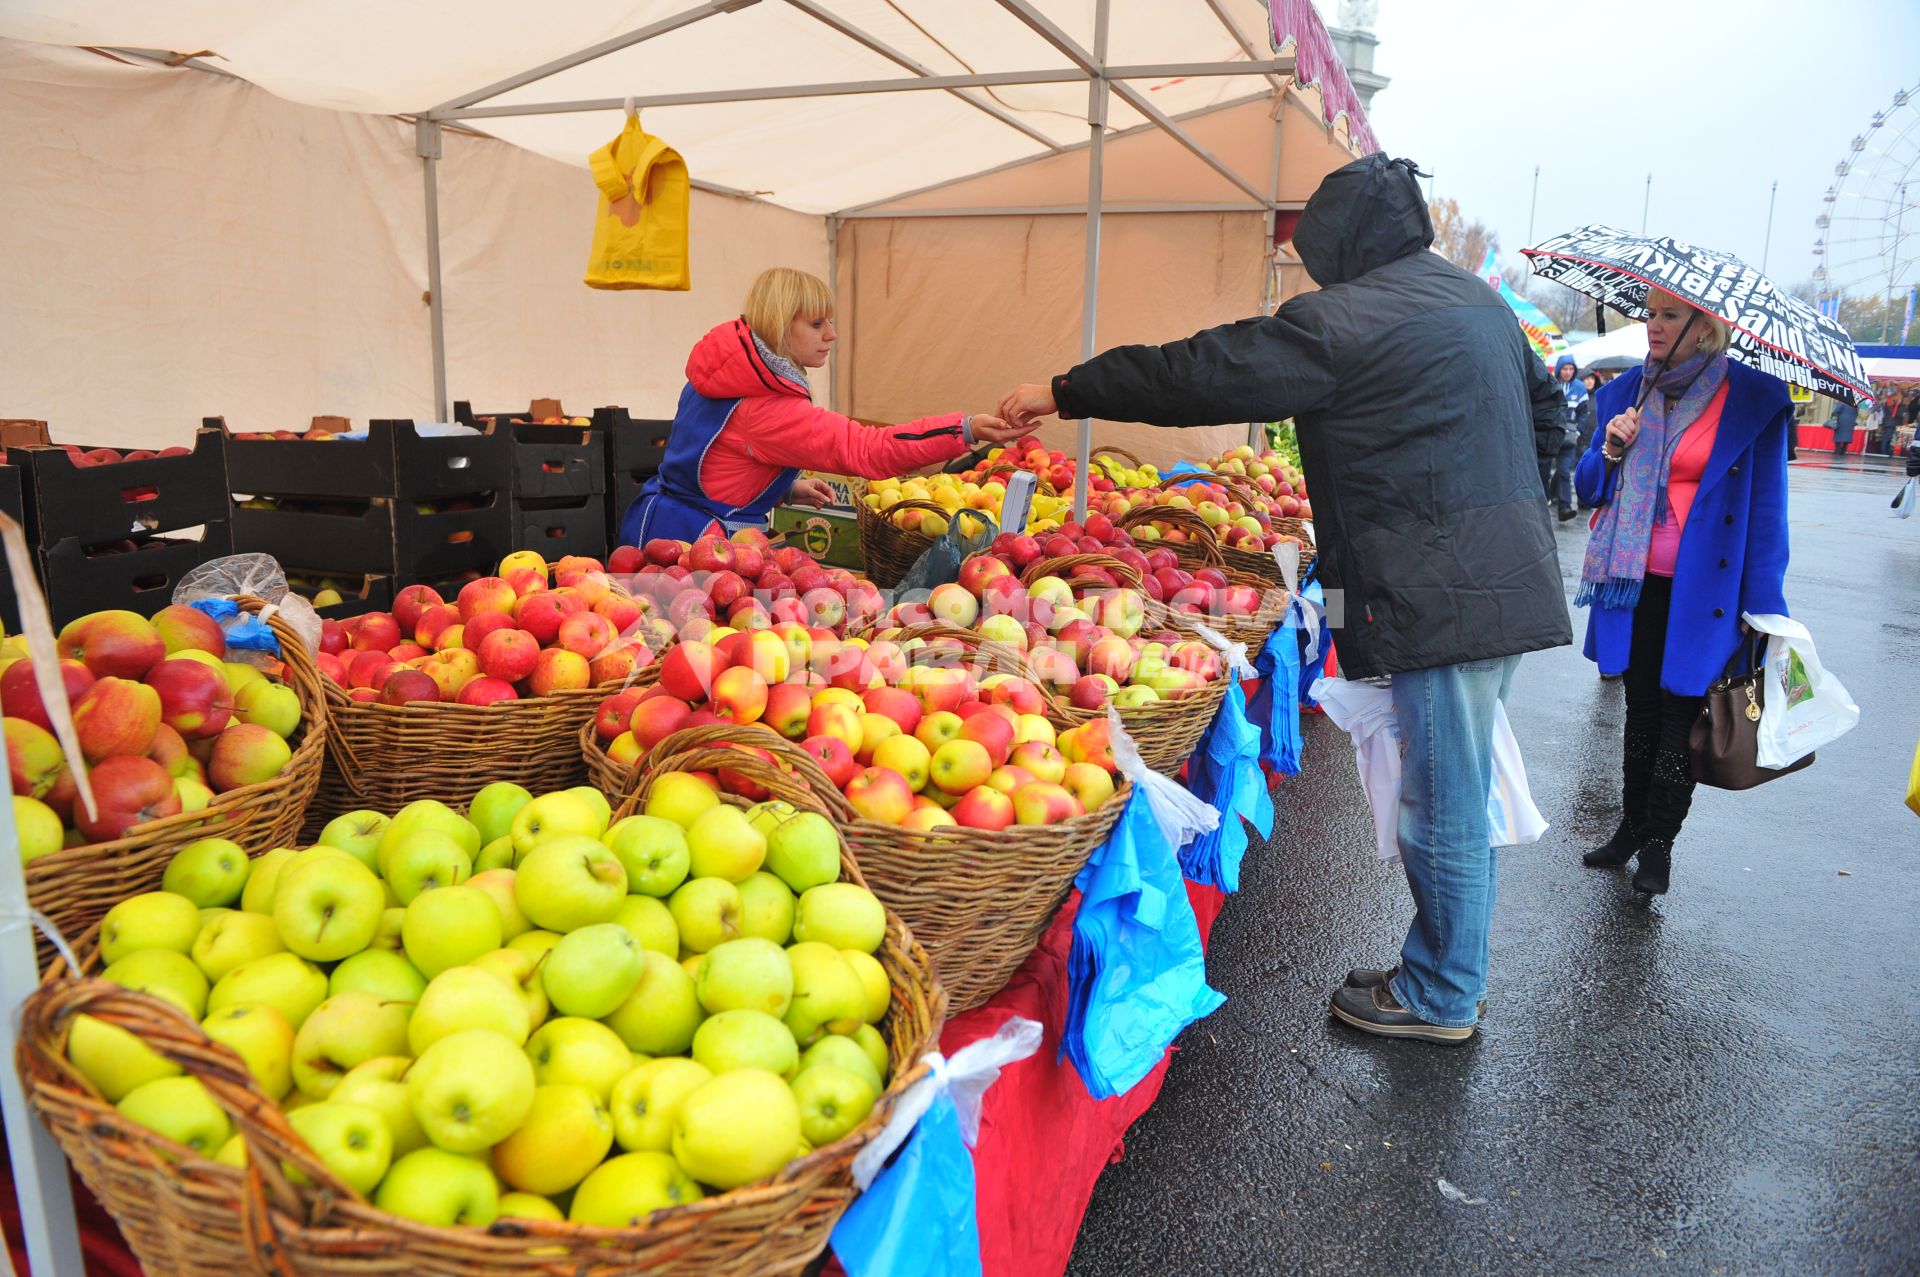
486 691
413 600
740 694
182 628
558 670
689 669
34 759
525 581
664 552
117 717
370 669
331 666
486 594
655 718
993 732
474 632
898 704
114 644
983 807
835 757
541 614
127 792
377 632
408 652
586 633
788 708
711 554
620 611
194 697
333 638
626 560
20 691
405 685
880 794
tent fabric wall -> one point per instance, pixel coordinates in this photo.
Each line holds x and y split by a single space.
179 244
949 313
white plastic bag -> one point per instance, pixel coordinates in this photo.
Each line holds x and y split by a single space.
1365 712
1180 815
973 1068
1908 499
1805 706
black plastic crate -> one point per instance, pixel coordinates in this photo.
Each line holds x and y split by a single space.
635 446
555 463
359 593
12 503
137 575
557 528
384 536
98 504
621 491
394 460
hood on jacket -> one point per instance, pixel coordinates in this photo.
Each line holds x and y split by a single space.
730 363
1565 361
1364 215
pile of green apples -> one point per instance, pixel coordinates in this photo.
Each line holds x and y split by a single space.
521 1010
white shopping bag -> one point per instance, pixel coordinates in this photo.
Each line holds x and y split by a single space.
1805 706
1365 712
1908 499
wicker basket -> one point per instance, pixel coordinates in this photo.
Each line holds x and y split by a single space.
186 1216
75 887
382 757
1203 550
889 549
979 900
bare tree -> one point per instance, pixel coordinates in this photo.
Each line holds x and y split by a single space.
1462 242
1564 306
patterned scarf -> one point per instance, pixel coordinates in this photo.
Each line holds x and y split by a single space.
1622 535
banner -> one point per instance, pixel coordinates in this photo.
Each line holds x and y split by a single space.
1542 333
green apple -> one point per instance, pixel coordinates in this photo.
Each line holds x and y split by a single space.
868 1039
233 1153
357 833
426 814
164 973
274 706
257 896
842 915
498 854
569 881
393 921
232 938
379 1085
521 973
679 797
423 860
286 982
708 912
433 1186
592 970
449 927
596 800
652 851
651 923
845 1053
180 1109
39 826
804 851
494 807
722 843
263 1040
874 979
211 872
646 1098
832 1102
694 964
383 973
345 1030
150 920
351 1139
738 1128
535 943
554 815
566 1133
624 1191
470 1090
750 973
463 999
745 1040
660 1015
766 908
529 1206
113 1059
239 674
192 792
498 883
828 996
766 817
328 908
583 1053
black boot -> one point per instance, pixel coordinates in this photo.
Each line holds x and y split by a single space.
1636 778
1668 801
1615 851
1655 867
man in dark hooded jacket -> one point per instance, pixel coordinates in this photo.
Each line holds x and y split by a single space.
1420 409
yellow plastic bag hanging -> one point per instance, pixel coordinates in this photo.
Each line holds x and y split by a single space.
640 232
1913 783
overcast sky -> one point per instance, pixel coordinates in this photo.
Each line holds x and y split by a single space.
1716 99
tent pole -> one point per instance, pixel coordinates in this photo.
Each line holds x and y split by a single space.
833 286
427 137
1090 297
1270 286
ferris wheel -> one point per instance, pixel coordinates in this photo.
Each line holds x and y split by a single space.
1869 223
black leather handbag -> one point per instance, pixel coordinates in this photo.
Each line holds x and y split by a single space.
1725 740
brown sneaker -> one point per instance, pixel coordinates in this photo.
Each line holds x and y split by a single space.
1377 1011
1367 978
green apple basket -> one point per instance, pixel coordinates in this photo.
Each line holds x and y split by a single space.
287 1214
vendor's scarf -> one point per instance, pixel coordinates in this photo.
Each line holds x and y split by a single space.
1622 535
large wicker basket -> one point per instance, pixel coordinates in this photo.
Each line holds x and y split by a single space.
1201 549
186 1216
889 549
382 757
978 899
75 887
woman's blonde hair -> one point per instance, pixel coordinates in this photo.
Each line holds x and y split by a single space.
1709 330
780 296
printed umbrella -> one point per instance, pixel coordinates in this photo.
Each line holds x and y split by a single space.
1773 330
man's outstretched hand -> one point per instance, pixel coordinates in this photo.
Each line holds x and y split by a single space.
1024 405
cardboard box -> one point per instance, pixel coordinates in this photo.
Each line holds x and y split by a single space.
829 535
23 434
385 536
395 460
558 528
139 580
95 505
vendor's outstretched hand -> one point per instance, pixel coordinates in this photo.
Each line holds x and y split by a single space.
1024 404
990 429
813 492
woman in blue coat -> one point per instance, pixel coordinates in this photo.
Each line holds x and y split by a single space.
1691 532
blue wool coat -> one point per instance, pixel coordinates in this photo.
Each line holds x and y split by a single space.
1733 550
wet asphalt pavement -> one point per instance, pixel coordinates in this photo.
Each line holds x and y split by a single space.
1726 1081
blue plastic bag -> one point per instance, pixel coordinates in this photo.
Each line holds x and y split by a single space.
1275 709
918 1217
245 632
1225 773
1136 975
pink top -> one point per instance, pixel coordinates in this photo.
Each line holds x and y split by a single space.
1683 482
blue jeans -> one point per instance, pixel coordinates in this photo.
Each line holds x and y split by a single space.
1446 730
1562 490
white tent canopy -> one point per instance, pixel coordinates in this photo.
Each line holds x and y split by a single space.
1629 343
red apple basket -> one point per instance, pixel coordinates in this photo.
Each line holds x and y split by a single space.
978 899
1202 549
187 1216
891 549
1258 562
74 887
